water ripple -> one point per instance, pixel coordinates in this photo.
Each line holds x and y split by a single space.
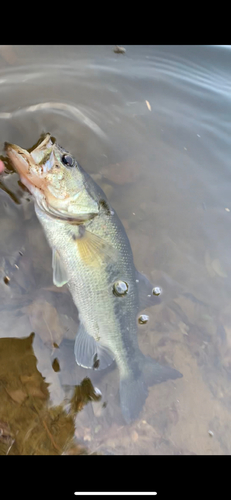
67 109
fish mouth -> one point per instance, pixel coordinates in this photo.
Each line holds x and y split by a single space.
30 164
43 143
19 157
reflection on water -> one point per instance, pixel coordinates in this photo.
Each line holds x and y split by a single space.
166 170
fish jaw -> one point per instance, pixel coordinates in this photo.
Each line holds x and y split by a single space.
26 164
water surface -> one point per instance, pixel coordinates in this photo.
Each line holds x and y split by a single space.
153 128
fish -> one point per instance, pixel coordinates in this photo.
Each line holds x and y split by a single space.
91 253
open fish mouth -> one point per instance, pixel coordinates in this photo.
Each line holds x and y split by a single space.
35 167
32 166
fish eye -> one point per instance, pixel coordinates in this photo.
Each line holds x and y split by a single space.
68 160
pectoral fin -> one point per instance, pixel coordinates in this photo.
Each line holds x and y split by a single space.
94 250
59 273
89 353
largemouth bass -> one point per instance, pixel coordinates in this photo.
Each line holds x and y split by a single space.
92 254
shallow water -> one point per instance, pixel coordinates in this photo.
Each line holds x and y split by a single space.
153 128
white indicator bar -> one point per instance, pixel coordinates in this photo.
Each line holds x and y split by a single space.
115 493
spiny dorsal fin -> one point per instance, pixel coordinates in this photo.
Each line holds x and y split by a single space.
145 292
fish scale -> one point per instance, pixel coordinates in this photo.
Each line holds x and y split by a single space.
116 317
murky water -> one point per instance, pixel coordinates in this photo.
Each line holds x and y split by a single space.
153 128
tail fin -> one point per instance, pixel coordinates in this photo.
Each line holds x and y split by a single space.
134 388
